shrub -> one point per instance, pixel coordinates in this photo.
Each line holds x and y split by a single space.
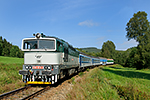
87 69
130 93
81 73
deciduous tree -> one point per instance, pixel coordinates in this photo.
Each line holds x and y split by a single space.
108 49
138 28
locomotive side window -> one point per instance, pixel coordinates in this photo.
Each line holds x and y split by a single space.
59 46
66 55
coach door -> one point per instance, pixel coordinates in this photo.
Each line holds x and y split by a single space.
65 55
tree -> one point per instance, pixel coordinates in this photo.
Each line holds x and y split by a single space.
138 28
108 49
6 48
15 51
120 57
133 59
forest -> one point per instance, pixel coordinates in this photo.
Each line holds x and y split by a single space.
7 49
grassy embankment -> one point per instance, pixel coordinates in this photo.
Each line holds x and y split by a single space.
112 82
9 73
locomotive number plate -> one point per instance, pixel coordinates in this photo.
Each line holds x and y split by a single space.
37 67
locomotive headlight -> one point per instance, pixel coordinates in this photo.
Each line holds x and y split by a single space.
30 67
26 67
45 67
38 35
49 68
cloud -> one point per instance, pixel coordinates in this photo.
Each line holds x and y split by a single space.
127 44
88 23
131 42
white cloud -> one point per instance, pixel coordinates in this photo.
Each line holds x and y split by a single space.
127 44
88 23
131 42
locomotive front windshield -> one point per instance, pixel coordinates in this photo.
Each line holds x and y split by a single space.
39 44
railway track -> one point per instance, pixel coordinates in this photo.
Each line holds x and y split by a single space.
29 92
5 95
24 93
36 93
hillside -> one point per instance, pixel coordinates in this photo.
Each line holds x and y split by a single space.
91 49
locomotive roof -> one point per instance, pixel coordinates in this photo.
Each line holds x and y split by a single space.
61 40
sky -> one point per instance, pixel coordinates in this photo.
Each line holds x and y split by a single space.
82 23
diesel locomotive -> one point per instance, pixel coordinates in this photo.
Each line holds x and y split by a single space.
48 59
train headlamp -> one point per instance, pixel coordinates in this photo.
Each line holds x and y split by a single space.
26 67
30 67
38 35
49 68
45 67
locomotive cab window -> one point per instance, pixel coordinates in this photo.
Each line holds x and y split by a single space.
32 44
46 44
39 44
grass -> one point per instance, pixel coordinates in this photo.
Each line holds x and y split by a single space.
112 83
109 82
9 70
129 76
11 60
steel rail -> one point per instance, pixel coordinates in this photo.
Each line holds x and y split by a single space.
36 93
5 95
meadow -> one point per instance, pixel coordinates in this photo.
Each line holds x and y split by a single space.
9 73
103 82
112 82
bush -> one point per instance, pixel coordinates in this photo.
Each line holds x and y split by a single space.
130 93
81 73
87 69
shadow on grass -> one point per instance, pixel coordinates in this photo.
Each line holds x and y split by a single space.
129 74
116 67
